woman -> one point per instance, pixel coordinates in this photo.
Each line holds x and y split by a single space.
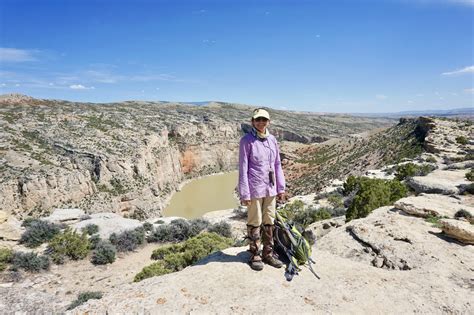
261 180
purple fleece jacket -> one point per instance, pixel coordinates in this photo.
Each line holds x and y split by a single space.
256 159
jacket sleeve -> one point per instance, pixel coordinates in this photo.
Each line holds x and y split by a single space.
280 177
244 191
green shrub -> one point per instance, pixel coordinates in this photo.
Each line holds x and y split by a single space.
178 230
222 228
91 229
178 256
27 222
39 232
160 234
469 189
290 209
68 244
470 175
83 298
128 240
148 227
197 226
370 194
94 240
461 140
6 256
29 261
463 213
410 169
434 220
430 159
153 270
104 253
161 252
311 215
335 200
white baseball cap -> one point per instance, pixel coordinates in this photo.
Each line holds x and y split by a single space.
260 112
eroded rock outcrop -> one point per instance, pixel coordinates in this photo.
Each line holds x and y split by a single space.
461 230
425 205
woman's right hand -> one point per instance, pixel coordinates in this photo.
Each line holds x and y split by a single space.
245 202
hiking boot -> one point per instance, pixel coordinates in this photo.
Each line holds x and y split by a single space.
269 256
253 234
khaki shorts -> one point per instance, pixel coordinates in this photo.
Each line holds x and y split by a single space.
261 210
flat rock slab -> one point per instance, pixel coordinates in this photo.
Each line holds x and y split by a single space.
390 239
67 216
446 182
109 223
461 230
10 230
425 205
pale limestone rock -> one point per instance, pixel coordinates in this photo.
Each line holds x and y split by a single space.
3 216
460 230
67 216
444 182
425 205
403 242
109 223
10 230
323 227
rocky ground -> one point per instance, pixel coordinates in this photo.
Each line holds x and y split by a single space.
393 261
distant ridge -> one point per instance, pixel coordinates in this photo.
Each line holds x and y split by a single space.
468 112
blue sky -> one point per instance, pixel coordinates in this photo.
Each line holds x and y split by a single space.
322 56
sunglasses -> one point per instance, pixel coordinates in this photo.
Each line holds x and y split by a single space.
261 119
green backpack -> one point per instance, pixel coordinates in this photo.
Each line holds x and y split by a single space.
290 243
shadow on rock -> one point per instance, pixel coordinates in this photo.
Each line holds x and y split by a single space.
242 257
448 239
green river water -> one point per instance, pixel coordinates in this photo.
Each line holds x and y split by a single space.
203 195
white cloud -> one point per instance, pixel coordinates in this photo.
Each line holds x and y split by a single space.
80 87
471 90
381 97
469 69
16 55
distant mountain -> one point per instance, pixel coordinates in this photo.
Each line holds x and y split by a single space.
458 112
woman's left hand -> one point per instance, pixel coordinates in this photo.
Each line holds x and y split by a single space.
281 196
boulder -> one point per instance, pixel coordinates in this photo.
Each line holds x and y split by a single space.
425 205
10 230
444 182
67 216
461 230
109 223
